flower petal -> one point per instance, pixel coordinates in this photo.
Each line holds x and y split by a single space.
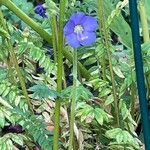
72 40
69 28
90 38
89 23
39 9
77 17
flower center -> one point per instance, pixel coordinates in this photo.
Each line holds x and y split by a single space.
78 29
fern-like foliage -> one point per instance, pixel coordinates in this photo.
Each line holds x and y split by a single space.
37 54
41 91
8 140
36 128
12 94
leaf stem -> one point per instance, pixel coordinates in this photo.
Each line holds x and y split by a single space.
54 36
144 23
101 29
133 96
14 60
108 49
73 103
21 79
145 30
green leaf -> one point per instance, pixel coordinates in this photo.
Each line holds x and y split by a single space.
9 144
2 145
118 72
17 139
104 92
2 88
43 91
3 33
113 133
22 47
83 93
2 119
119 137
85 114
3 73
109 100
4 103
98 116
6 92
124 111
147 4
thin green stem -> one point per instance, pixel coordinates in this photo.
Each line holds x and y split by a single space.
101 29
108 49
54 36
53 24
14 60
21 79
59 75
84 72
144 22
7 60
148 84
133 96
73 103
11 6
145 30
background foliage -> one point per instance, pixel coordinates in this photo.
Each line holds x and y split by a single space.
95 126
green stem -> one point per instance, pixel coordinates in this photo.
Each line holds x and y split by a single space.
144 23
53 24
148 84
11 6
73 103
84 72
21 79
14 60
108 48
133 96
101 29
54 36
59 75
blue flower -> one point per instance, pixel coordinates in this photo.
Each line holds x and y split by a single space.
80 30
39 9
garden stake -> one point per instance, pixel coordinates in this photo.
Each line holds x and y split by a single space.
139 72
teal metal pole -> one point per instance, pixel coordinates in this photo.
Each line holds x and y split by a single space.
139 72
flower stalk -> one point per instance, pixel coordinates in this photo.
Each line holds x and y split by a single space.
73 103
59 75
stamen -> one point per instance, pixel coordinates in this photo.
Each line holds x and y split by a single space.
78 29
81 36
